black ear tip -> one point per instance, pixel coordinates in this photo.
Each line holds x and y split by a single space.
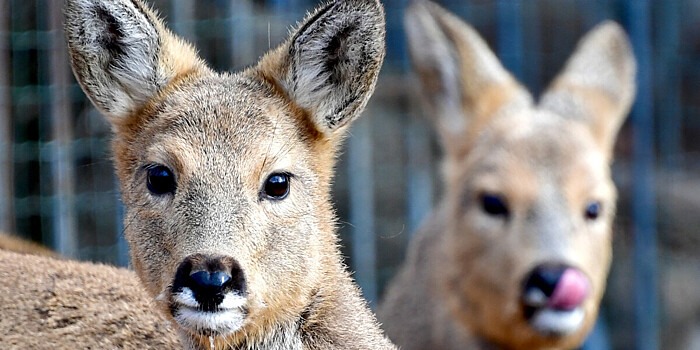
371 8
364 3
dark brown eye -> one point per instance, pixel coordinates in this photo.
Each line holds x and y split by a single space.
160 180
276 186
494 205
593 210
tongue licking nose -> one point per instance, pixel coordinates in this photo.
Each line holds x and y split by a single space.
556 287
570 291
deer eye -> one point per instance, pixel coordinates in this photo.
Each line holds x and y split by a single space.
593 210
276 186
160 180
494 205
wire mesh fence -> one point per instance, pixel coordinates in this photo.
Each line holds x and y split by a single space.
57 185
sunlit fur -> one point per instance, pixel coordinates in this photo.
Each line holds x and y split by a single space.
462 282
49 303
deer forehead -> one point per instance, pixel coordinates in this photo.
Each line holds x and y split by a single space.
219 124
529 155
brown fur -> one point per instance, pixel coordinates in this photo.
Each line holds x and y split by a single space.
222 135
48 303
461 284
19 245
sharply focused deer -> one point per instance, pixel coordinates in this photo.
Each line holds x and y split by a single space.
517 253
226 177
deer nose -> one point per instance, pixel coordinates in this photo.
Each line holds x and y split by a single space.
556 286
206 279
209 279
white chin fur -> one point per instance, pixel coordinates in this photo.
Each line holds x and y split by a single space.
220 322
228 318
558 322
231 300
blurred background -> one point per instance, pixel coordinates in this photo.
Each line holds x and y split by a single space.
57 185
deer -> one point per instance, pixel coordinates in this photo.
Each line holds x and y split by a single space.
225 177
516 253
57 303
50 301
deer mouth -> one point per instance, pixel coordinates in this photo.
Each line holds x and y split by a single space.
553 322
208 295
553 300
225 317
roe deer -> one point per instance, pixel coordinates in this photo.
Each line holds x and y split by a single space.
517 253
48 303
226 177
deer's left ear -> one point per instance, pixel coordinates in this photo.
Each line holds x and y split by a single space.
329 66
597 86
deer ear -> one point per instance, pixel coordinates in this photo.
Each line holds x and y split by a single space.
463 83
122 55
597 85
329 66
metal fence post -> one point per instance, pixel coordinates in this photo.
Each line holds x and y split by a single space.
242 24
638 14
123 258
670 124
183 19
532 47
419 184
361 194
510 35
7 221
62 172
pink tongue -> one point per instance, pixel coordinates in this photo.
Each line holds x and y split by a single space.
570 292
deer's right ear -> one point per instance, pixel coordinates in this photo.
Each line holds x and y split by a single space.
463 83
122 55
330 65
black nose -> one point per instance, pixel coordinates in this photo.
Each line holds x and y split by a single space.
557 287
206 279
209 279
544 278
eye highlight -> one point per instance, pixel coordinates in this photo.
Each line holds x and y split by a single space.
276 186
494 205
160 180
593 210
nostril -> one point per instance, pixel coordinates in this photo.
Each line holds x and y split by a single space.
215 279
206 282
555 286
238 282
545 279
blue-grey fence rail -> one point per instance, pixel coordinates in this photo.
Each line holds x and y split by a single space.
638 20
57 186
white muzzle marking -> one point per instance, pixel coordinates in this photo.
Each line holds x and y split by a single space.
228 317
558 322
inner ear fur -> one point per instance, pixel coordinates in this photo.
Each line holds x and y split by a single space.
330 64
122 55
597 85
